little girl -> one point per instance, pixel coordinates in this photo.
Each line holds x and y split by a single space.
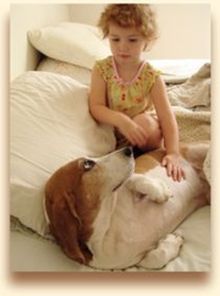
125 88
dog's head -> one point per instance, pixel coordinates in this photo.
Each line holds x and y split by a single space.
74 194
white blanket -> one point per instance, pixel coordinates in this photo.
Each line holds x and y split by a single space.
51 125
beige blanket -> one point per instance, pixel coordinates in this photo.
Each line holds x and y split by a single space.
191 103
195 92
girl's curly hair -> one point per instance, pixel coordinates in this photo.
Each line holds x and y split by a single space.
140 16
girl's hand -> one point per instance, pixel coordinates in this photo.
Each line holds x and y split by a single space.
133 132
173 166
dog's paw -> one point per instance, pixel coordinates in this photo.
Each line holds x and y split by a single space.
160 192
175 239
155 190
167 250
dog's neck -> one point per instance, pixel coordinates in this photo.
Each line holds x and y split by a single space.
102 222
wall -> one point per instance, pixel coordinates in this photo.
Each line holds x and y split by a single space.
184 28
24 17
184 31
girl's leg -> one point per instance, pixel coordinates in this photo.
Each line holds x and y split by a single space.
151 125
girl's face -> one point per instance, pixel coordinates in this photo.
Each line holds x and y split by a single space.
126 44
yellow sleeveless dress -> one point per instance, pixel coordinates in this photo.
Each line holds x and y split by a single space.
130 98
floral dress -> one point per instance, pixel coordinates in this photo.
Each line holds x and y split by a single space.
132 97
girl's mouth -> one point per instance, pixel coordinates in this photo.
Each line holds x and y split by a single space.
124 56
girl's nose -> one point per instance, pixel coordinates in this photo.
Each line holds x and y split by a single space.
123 46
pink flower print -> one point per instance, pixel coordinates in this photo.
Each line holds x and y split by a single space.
138 99
123 97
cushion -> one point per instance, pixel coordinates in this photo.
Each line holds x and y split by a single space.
81 74
75 43
50 126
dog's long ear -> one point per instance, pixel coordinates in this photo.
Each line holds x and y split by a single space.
65 225
70 199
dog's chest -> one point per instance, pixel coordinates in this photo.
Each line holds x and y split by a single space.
188 186
133 225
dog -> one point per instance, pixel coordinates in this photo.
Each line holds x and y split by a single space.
115 212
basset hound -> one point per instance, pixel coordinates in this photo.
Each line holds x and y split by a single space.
115 212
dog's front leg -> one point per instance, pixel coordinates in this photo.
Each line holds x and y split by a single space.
156 190
167 249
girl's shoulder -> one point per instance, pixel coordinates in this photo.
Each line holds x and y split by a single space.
149 70
105 67
149 76
105 61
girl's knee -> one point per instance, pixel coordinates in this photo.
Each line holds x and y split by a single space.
152 127
155 140
148 122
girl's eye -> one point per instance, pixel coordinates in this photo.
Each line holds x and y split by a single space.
115 39
133 40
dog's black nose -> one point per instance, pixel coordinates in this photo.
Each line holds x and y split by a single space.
128 151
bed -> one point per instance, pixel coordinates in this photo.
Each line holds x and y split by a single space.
51 125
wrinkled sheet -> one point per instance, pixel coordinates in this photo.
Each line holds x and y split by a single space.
31 252
191 104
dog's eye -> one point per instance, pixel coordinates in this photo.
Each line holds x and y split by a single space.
88 164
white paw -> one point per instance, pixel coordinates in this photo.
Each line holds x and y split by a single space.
167 250
156 190
173 238
160 192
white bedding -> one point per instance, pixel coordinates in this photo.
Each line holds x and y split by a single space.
30 252
51 125
76 72
75 43
173 71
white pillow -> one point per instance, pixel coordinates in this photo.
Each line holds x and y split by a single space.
75 43
78 73
50 126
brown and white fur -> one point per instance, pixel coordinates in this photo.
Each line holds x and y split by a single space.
105 215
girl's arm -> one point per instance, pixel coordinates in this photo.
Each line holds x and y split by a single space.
166 116
169 129
100 111
97 101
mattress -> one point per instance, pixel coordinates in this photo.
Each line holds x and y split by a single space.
66 126
30 252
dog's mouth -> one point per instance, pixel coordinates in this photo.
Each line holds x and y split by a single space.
123 161
119 185
122 182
